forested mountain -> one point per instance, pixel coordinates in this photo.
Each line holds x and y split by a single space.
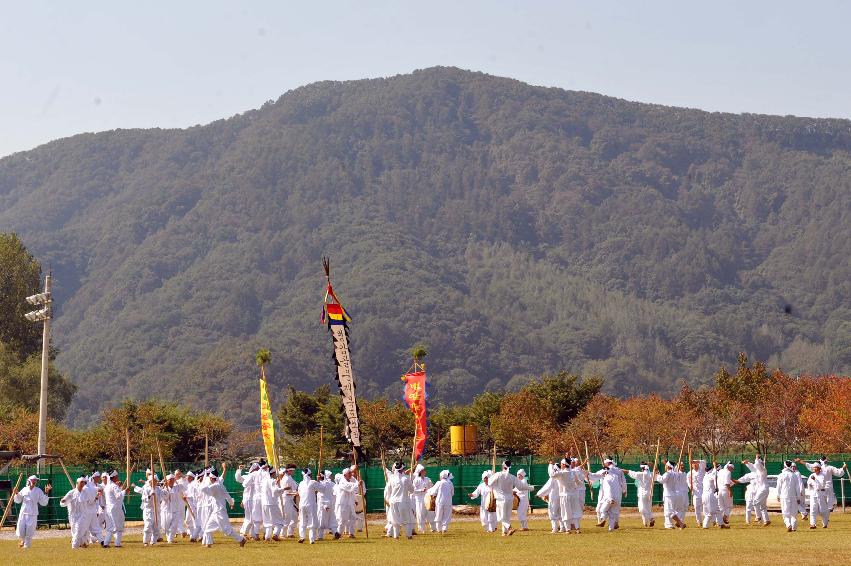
513 229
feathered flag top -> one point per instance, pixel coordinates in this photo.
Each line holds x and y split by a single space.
338 321
416 397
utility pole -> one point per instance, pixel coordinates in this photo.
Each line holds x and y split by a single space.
42 315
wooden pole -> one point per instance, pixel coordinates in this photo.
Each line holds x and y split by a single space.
414 445
493 459
67 475
360 489
206 450
127 453
842 486
683 447
154 496
656 459
319 463
690 472
588 462
18 483
160 454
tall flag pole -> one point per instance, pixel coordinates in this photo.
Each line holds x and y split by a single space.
267 424
416 397
337 319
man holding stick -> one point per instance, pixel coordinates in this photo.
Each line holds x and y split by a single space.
113 495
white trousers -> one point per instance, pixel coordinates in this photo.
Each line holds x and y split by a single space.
789 510
443 515
308 525
611 510
645 507
697 502
819 507
487 519
116 525
523 512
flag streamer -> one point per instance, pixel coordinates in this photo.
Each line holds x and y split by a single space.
337 319
416 397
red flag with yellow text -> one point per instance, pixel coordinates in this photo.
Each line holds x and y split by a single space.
416 397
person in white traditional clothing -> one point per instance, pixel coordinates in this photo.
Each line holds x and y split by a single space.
503 484
290 509
204 502
760 489
749 480
802 503
443 492
483 492
90 527
104 519
191 494
218 520
113 495
695 484
611 494
566 478
829 472
399 513
344 501
150 495
670 496
74 502
819 500
308 523
644 484
29 498
682 491
422 483
325 503
724 481
175 508
577 495
789 496
709 492
250 528
522 494
271 491
549 492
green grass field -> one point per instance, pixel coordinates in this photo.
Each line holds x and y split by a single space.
466 543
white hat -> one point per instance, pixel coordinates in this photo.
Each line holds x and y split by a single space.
521 472
212 474
95 474
328 474
113 474
33 478
169 477
608 461
485 475
253 467
565 461
444 474
190 474
419 468
82 479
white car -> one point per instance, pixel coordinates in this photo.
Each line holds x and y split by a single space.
773 503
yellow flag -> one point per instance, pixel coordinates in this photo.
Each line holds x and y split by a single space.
267 425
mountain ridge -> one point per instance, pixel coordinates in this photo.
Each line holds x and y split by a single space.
176 248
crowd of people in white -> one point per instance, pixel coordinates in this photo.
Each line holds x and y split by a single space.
194 505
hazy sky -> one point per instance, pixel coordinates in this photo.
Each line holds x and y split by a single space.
78 66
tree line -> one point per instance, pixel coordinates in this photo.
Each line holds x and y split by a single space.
751 409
